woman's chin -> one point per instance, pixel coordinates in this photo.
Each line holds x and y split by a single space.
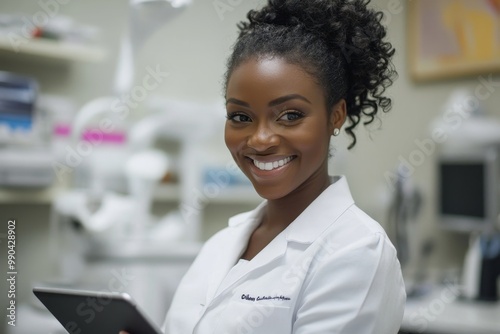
270 193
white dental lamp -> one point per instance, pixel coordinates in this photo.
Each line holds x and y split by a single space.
145 17
190 124
186 122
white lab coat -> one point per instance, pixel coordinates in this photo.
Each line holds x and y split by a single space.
332 270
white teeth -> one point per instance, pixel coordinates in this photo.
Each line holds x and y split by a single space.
271 165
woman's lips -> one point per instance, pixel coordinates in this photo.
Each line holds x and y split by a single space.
270 165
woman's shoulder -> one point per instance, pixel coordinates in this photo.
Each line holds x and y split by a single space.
355 229
359 222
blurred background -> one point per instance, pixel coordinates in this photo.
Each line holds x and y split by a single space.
113 165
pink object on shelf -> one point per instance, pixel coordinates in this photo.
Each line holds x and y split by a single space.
62 130
92 135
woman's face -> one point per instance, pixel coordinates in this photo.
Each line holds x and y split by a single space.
278 129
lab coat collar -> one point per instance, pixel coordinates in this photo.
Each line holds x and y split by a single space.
322 212
240 229
315 219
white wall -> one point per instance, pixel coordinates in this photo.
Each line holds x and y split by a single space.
193 49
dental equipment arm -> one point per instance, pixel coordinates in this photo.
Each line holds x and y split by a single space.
189 124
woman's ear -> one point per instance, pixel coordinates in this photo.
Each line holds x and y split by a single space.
338 116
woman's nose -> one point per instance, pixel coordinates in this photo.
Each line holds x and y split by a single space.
263 138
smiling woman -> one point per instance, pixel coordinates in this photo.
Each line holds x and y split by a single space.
277 112
307 259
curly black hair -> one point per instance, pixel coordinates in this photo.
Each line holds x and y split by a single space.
338 42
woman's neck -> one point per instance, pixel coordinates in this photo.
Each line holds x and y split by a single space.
282 212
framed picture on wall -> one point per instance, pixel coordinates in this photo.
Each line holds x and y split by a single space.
453 38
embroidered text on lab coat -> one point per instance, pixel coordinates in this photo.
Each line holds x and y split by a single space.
248 297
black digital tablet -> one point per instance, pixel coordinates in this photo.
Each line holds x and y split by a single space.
91 312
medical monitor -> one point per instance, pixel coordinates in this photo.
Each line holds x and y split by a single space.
469 190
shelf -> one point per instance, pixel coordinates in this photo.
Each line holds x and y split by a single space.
56 50
46 195
230 195
31 196
163 193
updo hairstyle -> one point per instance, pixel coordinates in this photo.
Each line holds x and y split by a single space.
340 43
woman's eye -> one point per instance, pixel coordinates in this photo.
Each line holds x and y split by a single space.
238 118
291 116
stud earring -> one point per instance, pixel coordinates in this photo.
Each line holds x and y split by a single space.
336 132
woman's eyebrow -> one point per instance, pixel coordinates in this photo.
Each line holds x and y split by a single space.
238 102
285 98
273 103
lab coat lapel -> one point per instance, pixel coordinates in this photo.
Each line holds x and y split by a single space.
240 228
273 251
309 225
321 213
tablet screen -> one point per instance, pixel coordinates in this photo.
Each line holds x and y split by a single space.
88 312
